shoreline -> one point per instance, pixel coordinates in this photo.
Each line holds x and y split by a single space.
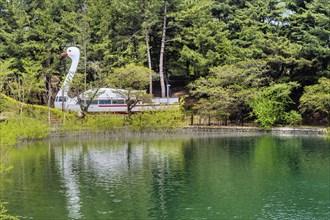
195 130
275 130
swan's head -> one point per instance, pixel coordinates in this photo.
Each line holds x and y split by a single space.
72 52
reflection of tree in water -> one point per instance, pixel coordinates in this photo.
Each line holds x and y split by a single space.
129 155
294 156
166 163
177 179
237 148
273 154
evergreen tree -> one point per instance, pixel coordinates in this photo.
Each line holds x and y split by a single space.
316 99
228 89
309 27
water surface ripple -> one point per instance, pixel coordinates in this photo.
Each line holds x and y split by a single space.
218 177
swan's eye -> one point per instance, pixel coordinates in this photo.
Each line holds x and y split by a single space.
69 50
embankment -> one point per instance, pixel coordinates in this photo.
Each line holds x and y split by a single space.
238 129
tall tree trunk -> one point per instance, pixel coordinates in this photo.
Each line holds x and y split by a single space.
85 63
49 94
162 53
85 39
49 85
149 61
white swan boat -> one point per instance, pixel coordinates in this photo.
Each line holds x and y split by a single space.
106 99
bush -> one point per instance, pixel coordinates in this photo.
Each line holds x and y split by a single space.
38 112
270 105
266 111
8 136
22 128
4 213
166 120
30 128
103 122
292 118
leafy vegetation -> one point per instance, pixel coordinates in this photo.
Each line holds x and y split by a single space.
107 122
162 120
4 215
271 103
317 98
33 122
131 80
236 48
22 128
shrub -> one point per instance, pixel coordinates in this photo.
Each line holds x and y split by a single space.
4 213
38 112
29 128
266 111
270 105
8 136
293 118
103 122
316 98
166 120
22 128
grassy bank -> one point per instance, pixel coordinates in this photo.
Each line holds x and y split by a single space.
22 122
24 127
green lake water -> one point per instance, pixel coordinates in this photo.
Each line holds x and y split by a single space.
180 177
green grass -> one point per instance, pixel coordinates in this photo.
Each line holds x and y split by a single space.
30 122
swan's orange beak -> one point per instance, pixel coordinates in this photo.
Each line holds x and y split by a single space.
64 55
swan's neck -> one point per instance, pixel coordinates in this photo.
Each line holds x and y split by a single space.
74 65
69 77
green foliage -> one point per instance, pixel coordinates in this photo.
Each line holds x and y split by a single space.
269 105
131 81
30 128
3 104
5 71
316 98
32 122
97 122
291 39
104 122
203 38
130 77
266 111
4 215
39 112
8 136
22 128
227 90
292 118
166 120
4 169
25 122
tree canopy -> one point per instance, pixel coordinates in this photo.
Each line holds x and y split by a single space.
237 47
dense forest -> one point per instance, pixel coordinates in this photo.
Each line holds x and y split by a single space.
265 60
